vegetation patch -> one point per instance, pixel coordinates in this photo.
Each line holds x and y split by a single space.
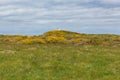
65 37
60 55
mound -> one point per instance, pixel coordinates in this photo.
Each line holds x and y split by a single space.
63 36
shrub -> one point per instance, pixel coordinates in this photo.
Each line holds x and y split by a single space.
95 41
54 39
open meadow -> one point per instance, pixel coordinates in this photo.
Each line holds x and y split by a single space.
59 61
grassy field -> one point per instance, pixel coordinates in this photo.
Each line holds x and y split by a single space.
59 62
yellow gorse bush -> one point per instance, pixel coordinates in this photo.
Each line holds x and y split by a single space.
26 41
31 41
55 39
61 36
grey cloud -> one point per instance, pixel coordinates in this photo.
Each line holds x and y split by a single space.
59 12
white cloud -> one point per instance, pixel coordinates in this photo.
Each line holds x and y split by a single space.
11 0
58 12
111 1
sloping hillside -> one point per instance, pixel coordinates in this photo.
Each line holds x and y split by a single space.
77 38
65 37
60 55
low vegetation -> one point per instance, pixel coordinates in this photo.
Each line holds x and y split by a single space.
60 55
65 37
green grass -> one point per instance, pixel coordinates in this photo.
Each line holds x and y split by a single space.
59 62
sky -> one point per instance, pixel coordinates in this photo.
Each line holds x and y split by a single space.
34 17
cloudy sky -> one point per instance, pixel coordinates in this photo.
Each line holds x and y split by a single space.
38 16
